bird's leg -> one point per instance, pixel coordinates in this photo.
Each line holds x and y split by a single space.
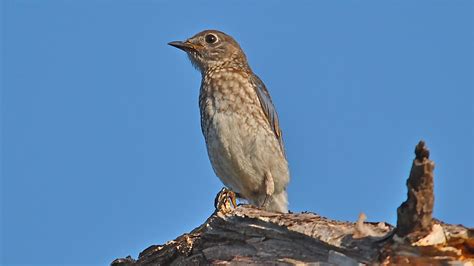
269 188
225 200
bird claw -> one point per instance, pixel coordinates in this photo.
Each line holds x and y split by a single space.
225 200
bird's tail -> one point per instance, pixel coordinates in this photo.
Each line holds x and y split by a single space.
278 202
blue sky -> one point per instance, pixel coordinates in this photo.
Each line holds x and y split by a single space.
102 151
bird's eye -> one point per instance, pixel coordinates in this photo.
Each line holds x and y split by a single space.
211 38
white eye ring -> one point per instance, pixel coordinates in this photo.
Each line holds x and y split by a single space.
210 38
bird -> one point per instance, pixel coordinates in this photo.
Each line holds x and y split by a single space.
239 122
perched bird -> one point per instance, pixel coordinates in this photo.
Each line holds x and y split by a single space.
238 121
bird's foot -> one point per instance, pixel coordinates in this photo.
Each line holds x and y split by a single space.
225 200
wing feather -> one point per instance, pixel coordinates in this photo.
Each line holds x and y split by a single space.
268 108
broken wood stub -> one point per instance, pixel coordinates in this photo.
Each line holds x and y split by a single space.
415 214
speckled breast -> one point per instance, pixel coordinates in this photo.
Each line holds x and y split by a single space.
240 142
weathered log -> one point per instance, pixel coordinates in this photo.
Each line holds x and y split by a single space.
248 235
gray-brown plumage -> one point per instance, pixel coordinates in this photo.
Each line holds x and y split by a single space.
239 121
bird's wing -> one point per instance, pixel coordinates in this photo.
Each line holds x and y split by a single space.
268 108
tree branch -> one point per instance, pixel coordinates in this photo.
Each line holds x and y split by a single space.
249 235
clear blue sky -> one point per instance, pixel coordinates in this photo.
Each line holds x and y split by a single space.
102 151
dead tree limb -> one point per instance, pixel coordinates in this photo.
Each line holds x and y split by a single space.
248 235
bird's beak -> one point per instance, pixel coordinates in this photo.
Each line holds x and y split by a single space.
185 46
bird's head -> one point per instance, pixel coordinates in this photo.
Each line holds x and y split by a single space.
211 48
